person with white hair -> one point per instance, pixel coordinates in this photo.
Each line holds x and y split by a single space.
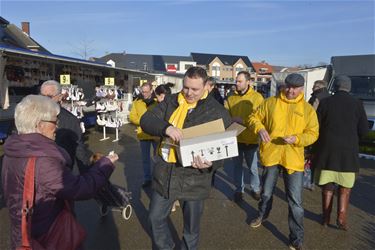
69 134
36 120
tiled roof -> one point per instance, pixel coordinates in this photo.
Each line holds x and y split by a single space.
204 59
12 36
151 63
262 68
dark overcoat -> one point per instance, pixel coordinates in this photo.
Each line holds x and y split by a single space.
343 121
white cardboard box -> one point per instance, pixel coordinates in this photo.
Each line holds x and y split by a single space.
210 141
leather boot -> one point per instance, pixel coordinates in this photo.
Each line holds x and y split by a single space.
327 201
342 207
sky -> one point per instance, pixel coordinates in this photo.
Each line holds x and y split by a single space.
287 33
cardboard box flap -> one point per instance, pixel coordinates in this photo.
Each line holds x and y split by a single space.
236 127
208 128
206 138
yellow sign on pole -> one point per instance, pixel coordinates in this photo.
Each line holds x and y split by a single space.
65 79
142 82
110 81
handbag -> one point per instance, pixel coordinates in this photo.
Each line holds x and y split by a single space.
307 175
65 233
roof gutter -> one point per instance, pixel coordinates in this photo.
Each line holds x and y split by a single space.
67 60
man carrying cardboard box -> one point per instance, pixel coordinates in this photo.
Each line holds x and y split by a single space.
171 181
286 124
244 101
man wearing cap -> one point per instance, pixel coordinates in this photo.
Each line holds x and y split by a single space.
343 121
286 124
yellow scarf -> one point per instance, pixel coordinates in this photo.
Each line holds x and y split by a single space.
177 119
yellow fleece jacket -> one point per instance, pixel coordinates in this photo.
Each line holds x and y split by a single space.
282 117
243 106
139 107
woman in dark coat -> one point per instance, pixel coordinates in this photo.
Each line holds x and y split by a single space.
36 122
342 121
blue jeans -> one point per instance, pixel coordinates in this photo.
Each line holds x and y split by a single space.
146 158
160 208
293 189
249 152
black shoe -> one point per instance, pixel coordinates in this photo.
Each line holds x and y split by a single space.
146 183
255 195
238 196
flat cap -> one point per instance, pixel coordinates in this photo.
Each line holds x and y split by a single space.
342 82
295 80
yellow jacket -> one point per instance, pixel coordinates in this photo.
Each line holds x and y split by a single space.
243 106
139 107
282 117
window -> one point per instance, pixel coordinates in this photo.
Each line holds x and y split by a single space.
363 87
215 69
239 68
188 66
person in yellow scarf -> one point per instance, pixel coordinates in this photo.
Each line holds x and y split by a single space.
171 181
285 124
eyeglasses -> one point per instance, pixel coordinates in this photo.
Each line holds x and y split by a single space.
51 96
56 122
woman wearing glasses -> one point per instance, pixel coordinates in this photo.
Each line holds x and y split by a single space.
36 122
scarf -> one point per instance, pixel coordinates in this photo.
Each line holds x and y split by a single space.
167 150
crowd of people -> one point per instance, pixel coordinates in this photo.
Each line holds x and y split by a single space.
278 132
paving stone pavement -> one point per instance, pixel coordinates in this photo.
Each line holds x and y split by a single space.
225 224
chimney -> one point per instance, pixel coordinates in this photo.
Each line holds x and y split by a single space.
26 27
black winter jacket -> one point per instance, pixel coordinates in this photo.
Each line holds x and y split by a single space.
319 94
343 121
172 180
69 137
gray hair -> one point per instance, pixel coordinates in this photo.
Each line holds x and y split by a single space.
320 83
33 109
342 82
54 83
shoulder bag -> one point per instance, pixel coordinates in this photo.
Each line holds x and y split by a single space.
65 232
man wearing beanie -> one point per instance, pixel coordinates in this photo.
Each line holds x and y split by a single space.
342 121
286 124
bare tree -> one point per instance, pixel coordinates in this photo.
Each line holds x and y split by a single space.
304 66
322 64
84 49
